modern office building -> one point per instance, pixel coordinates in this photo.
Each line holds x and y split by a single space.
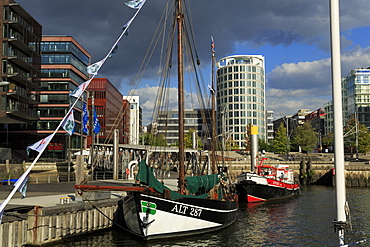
356 95
20 72
107 101
241 96
135 118
329 118
63 69
269 126
197 119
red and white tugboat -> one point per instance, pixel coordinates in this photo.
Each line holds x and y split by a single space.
268 183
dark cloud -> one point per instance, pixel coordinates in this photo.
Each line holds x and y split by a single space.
96 25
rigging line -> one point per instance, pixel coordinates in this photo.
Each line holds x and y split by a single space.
166 71
106 216
190 24
139 74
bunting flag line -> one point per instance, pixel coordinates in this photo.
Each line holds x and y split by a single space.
69 123
94 68
1 215
22 185
135 4
85 118
80 89
211 89
40 145
96 123
113 51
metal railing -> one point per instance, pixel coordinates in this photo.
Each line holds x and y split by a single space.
54 177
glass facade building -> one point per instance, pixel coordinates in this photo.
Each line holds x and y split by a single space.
356 95
241 96
20 76
63 69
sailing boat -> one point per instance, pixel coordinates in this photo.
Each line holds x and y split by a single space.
162 213
202 203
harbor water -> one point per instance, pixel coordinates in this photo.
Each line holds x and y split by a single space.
302 221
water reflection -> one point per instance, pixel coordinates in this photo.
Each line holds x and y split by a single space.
302 221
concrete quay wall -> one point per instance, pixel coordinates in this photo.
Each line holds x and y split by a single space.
51 224
357 174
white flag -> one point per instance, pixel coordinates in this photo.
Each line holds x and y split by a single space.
78 91
135 4
40 145
69 123
94 68
22 184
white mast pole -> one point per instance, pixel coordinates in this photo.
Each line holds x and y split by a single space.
340 188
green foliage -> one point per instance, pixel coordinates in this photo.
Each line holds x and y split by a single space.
305 137
189 140
328 140
153 140
363 135
281 140
363 139
265 146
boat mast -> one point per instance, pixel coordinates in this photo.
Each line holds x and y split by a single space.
181 101
213 144
340 189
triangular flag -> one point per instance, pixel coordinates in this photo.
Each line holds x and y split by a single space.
1 215
80 89
40 145
94 68
69 123
135 4
213 50
22 183
113 51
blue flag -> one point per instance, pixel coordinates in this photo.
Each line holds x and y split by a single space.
96 126
85 118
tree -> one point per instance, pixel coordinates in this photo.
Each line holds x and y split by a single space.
363 139
305 137
265 146
153 140
356 131
189 139
280 140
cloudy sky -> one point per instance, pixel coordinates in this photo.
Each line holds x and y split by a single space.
292 35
